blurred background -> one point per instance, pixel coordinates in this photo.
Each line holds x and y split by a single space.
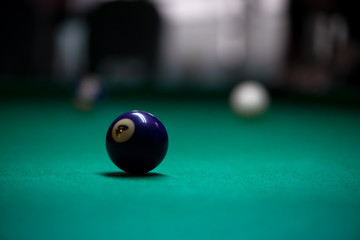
304 47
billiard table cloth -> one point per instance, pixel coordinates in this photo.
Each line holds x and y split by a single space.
293 173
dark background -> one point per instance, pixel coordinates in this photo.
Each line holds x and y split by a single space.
307 48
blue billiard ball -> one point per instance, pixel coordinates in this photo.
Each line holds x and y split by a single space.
136 142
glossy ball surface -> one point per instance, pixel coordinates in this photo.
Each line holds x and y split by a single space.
136 142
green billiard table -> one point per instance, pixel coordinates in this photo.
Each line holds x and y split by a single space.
293 173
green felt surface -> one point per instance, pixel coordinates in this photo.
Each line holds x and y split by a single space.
292 174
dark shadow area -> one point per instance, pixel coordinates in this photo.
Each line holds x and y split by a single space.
128 175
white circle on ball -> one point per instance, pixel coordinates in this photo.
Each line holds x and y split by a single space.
123 130
249 99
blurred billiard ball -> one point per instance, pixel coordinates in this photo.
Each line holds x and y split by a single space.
249 99
89 90
136 142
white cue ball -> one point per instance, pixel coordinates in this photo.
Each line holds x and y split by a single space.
249 99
